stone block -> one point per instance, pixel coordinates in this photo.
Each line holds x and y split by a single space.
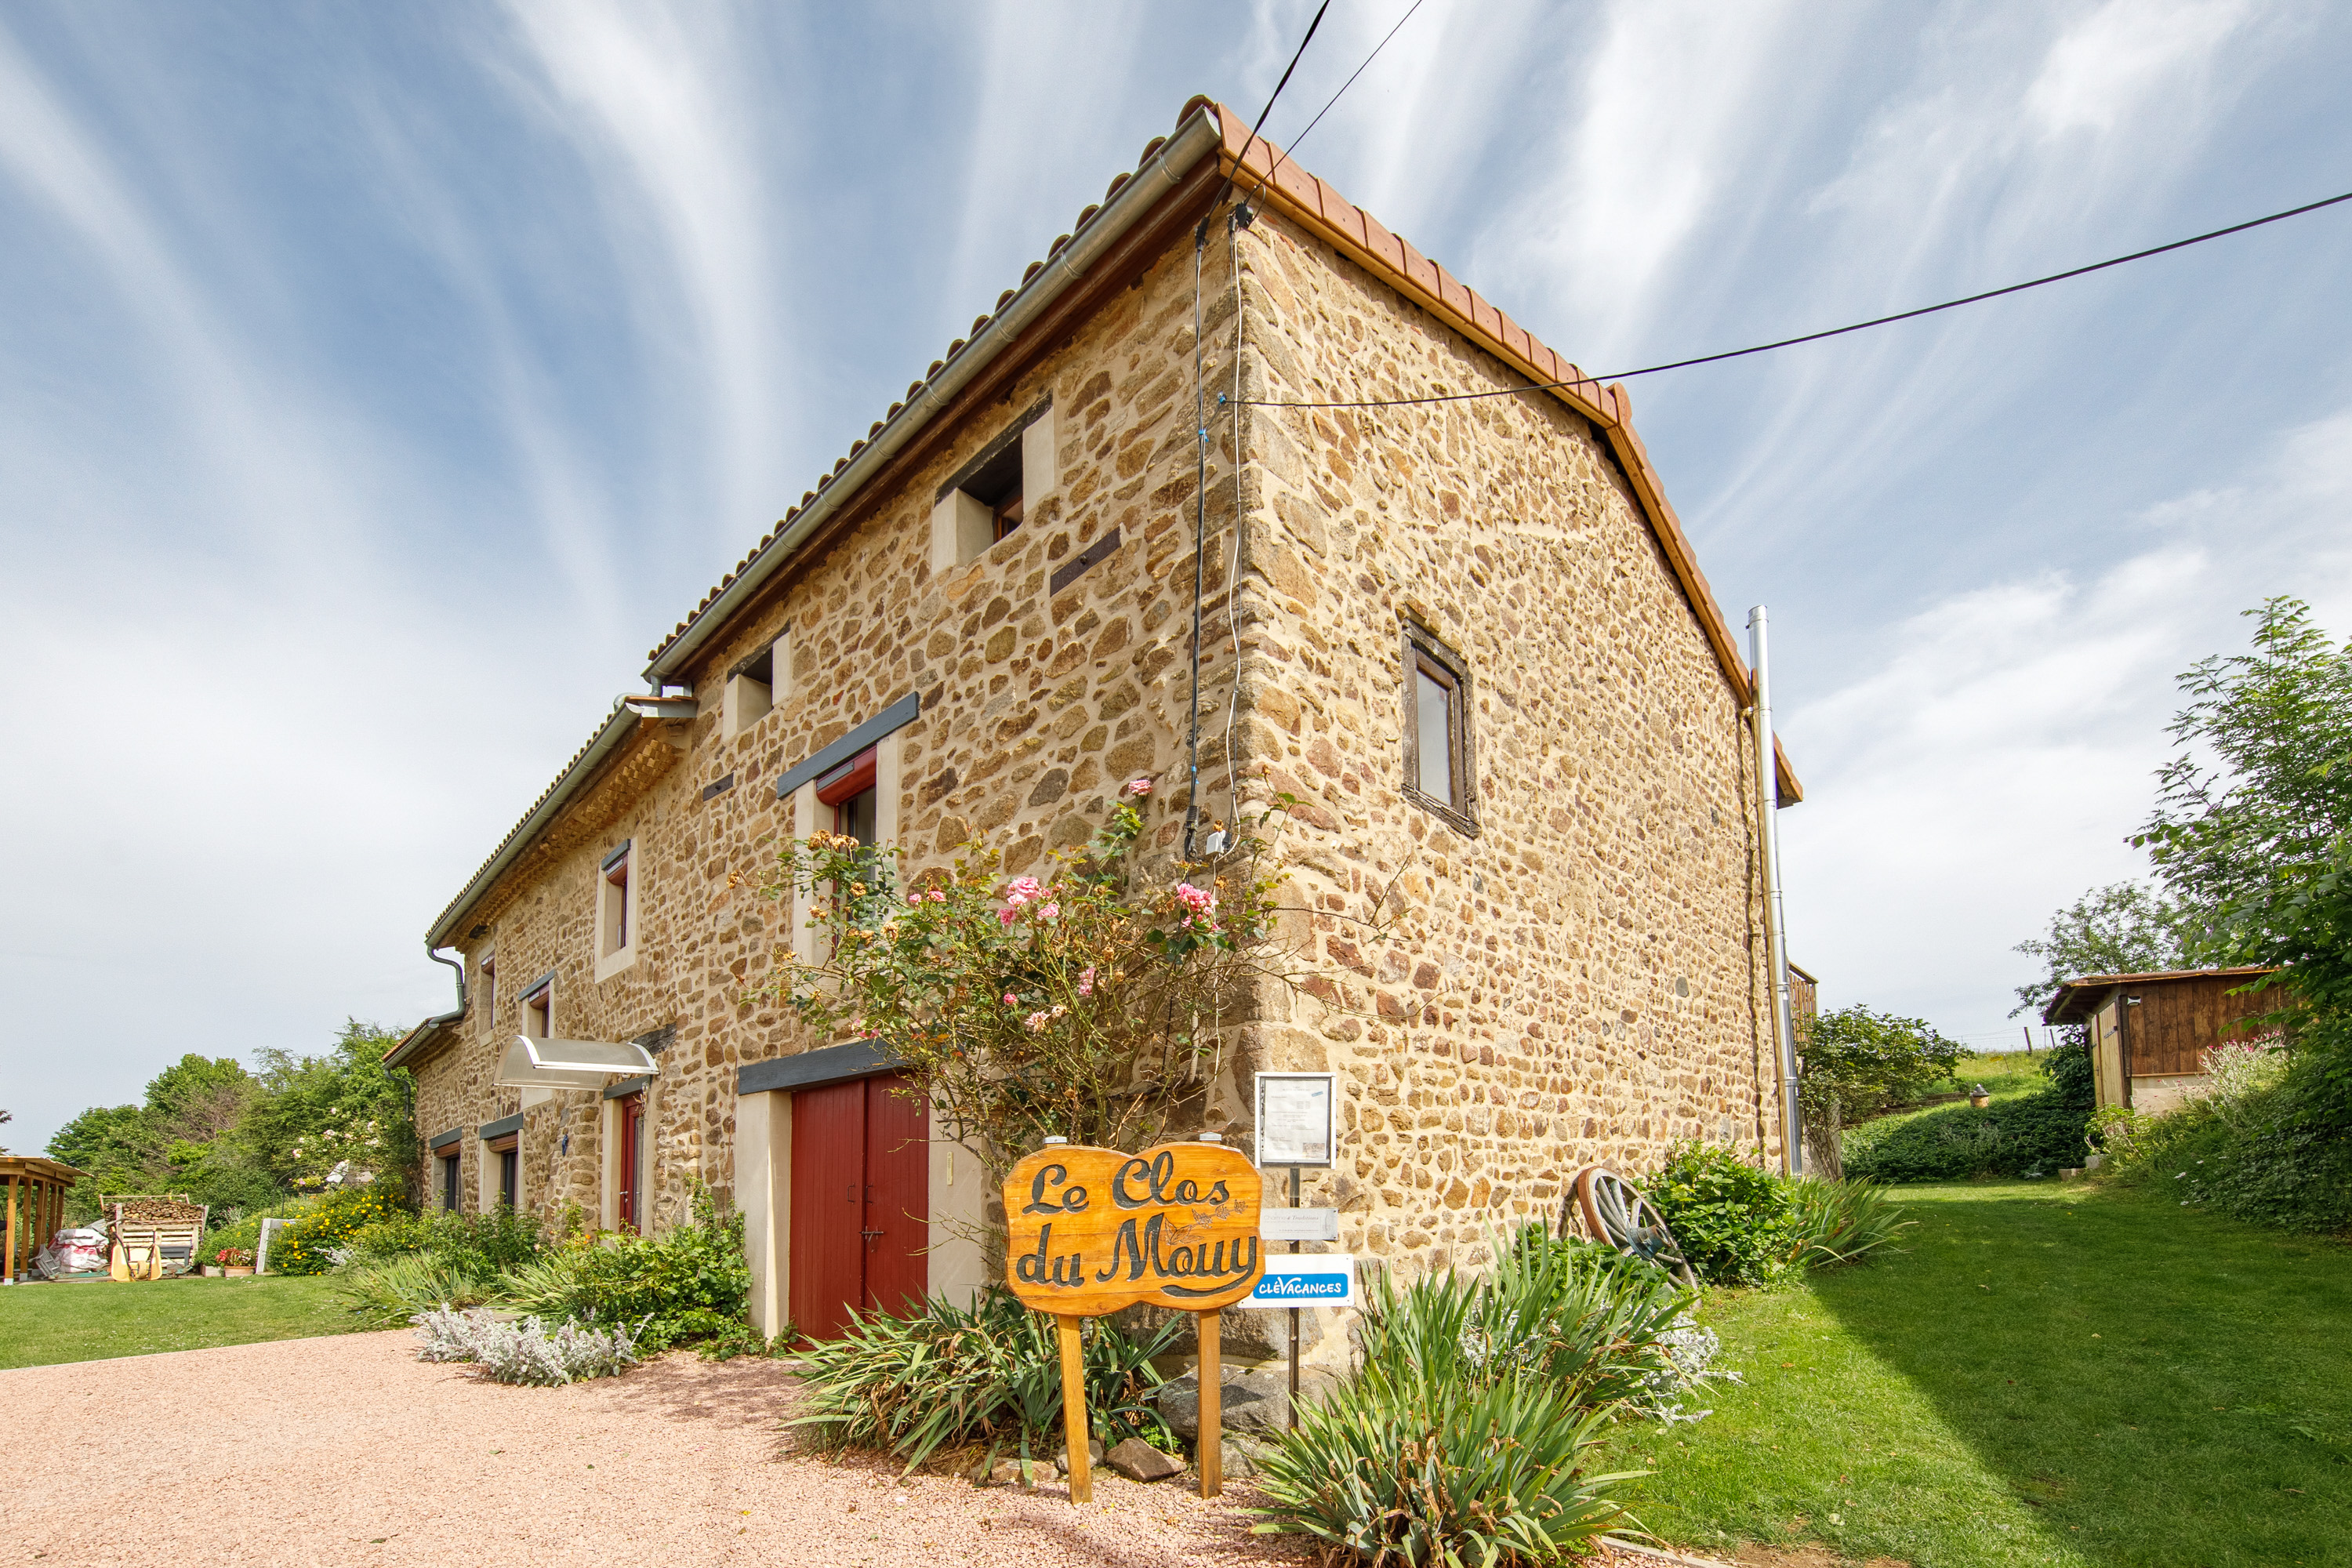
1140 1461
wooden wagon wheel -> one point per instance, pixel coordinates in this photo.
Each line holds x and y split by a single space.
1614 1210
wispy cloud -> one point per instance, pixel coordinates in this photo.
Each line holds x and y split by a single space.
1997 747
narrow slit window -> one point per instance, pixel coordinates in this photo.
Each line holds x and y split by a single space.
1433 700
1439 775
613 903
449 1183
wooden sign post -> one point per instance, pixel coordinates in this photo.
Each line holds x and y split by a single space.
1094 1230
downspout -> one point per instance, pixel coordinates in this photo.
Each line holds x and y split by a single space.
1775 947
455 964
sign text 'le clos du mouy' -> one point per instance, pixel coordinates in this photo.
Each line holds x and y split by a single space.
1094 1230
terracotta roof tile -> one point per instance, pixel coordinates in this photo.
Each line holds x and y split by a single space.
1484 316
1453 291
1339 212
1381 242
1515 338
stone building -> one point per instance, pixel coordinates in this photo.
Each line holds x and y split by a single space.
1469 636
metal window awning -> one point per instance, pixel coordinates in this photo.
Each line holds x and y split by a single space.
570 1064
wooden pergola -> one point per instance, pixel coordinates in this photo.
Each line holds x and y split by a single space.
36 1207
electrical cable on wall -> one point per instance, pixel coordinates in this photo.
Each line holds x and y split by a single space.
1595 381
1201 425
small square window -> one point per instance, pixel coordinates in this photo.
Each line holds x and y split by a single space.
849 791
539 1011
990 496
1438 772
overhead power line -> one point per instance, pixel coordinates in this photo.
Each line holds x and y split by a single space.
1302 136
1226 189
1816 337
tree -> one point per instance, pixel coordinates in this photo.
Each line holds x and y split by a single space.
1866 1062
2252 830
2124 928
345 1105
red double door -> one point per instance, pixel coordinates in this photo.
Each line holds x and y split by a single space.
861 1201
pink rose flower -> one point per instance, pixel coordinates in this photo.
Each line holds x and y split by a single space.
937 897
1011 999
1198 900
914 899
1047 911
1086 980
1138 787
1021 890
1037 1022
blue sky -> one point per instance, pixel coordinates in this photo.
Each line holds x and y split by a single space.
378 384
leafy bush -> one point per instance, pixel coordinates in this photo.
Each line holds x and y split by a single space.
497 1242
1402 1467
1735 1224
943 1376
525 1351
1838 1222
327 1231
1860 1063
689 1283
2273 1156
2033 1135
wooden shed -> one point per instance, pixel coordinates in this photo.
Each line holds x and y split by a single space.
36 1190
2149 1032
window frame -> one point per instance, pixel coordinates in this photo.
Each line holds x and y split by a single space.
451 1191
1424 651
540 998
616 909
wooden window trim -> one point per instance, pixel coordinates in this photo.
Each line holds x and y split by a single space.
1422 650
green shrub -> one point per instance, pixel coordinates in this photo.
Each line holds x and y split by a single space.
497 1242
1399 1466
689 1283
1737 1224
2274 1157
332 1225
943 1376
1839 1222
2033 1135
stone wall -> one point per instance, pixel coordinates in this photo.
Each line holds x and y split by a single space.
1583 980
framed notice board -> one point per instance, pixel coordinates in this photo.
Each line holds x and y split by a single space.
1294 1118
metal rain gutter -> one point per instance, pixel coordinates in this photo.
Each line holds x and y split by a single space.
1198 135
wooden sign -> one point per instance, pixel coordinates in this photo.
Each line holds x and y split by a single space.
1093 1230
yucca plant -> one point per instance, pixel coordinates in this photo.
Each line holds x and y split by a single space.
1838 1222
945 1374
1587 1320
1400 1468
394 1293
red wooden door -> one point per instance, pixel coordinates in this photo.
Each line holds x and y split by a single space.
632 1161
897 1195
861 1188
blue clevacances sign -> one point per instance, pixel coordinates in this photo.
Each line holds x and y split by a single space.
1325 1279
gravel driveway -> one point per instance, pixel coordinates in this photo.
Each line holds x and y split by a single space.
349 1450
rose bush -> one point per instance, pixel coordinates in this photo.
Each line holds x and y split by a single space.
1084 1004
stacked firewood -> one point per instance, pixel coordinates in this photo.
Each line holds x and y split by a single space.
173 1208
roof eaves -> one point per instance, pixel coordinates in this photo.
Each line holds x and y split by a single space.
418 1038
1161 169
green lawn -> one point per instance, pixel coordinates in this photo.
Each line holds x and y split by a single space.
2047 1375
42 1324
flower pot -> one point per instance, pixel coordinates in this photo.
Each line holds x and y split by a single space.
1980 1101
246 1273
212 1271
